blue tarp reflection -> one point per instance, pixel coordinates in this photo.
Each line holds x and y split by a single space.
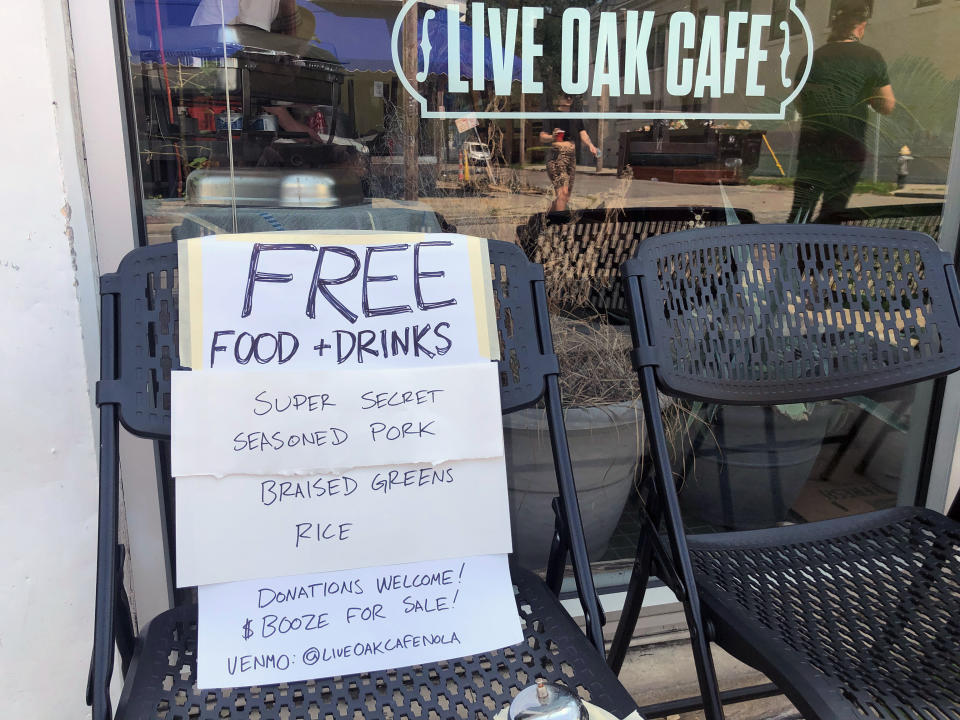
358 43
437 33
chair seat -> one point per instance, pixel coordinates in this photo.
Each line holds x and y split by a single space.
852 618
160 684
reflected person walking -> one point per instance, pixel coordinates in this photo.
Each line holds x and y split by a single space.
846 78
562 164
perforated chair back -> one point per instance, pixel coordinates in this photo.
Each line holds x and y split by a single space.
771 314
145 291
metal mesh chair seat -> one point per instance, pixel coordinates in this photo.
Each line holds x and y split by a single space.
863 612
161 681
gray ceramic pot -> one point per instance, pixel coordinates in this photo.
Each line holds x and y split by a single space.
747 475
605 446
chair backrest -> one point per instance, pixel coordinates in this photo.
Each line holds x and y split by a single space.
583 251
921 217
144 296
770 314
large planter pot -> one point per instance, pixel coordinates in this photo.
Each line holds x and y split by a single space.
746 474
605 447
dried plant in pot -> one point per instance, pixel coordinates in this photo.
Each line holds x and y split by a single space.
605 430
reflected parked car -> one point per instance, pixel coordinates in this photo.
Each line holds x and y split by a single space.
477 152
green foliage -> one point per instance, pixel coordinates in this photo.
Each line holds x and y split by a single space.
864 187
926 109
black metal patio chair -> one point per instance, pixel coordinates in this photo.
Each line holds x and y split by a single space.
139 348
850 618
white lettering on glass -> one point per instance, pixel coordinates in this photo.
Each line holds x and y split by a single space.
606 67
477 16
530 49
575 31
756 55
735 53
636 76
606 54
501 49
679 78
456 83
709 62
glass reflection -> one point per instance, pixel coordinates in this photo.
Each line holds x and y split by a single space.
277 115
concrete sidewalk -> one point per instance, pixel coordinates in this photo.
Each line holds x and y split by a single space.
665 671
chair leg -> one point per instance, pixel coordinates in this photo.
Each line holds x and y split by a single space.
631 607
844 442
637 589
126 637
881 435
699 642
559 548
582 573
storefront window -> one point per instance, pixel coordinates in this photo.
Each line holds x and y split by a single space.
575 129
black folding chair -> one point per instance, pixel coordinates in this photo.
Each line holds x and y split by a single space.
850 618
139 349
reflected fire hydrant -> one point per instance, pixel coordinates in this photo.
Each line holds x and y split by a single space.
903 166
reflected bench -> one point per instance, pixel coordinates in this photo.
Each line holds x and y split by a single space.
581 251
921 217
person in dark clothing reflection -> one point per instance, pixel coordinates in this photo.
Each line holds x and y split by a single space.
845 79
567 134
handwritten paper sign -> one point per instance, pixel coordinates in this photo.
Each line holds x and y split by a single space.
277 422
366 517
310 301
315 626
342 412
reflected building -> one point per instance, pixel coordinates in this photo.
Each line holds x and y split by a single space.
916 40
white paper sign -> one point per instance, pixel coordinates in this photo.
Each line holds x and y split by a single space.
466 123
280 422
377 516
317 626
314 301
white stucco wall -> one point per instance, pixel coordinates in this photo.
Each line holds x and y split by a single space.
48 353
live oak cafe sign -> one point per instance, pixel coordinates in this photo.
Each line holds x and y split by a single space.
725 57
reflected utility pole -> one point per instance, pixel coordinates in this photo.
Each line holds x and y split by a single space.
876 147
411 112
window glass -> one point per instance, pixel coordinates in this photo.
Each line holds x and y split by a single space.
779 13
567 127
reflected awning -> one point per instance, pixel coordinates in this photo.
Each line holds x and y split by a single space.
357 43
439 52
